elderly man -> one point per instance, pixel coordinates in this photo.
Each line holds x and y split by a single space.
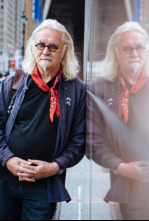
118 122
43 132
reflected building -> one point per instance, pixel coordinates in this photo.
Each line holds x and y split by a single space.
101 19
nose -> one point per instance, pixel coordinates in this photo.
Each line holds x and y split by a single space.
134 53
46 51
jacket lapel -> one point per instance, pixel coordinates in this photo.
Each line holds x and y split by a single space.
62 119
67 100
112 95
117 91
62 101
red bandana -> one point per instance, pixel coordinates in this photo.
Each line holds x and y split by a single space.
53 94
124 100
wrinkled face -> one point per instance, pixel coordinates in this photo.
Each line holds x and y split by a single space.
46 59
132 52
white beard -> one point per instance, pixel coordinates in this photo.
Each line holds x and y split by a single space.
135 67
44 64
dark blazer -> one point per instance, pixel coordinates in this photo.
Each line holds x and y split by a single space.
70 146
109 141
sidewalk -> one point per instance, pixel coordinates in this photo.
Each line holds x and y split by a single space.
87 191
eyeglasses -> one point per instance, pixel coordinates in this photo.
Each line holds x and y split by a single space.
51 47
138 48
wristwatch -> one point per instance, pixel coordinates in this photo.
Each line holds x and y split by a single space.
61 169
116 170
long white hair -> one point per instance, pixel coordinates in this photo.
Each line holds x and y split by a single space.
110 62
69 61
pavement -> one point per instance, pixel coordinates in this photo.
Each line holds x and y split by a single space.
87 184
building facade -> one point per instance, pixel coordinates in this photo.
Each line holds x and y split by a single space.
10 31
30 24
101 20
14 32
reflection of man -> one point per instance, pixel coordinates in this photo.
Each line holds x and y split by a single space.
44 134
125 90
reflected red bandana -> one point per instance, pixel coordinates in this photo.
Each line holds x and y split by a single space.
125 95
53 93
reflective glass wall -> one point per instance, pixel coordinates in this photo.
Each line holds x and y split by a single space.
102 17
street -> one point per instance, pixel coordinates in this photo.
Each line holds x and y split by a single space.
87 185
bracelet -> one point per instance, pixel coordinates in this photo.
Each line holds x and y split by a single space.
60 166
116 172
61 169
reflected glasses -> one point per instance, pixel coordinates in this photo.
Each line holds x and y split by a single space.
128 49
51 47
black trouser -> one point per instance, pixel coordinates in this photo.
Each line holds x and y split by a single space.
137 207
27 201
136 211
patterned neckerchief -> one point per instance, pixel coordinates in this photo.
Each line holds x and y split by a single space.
125 95
53 93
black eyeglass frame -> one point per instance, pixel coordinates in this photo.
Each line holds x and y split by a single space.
49 47
129 49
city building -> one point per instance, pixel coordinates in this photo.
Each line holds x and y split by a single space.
10 32
101 20
30 24
16 26
37 12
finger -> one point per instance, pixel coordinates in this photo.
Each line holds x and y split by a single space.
145 171
31 180
35 162
24 170
145 165
25 162
29 167
25 175
145 181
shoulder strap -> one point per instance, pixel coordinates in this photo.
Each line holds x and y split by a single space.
18 79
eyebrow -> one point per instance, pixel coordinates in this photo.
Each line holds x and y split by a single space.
39 42
48 44
139 44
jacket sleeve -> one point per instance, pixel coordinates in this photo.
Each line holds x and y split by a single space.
5 152
75 148
97 146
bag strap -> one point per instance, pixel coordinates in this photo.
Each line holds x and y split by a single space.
18 79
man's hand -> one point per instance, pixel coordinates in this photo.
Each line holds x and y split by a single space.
43 170
14 166
136 171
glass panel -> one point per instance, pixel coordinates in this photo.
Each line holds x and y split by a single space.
102 18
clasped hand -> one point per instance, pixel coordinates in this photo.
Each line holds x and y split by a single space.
31 170
136 170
